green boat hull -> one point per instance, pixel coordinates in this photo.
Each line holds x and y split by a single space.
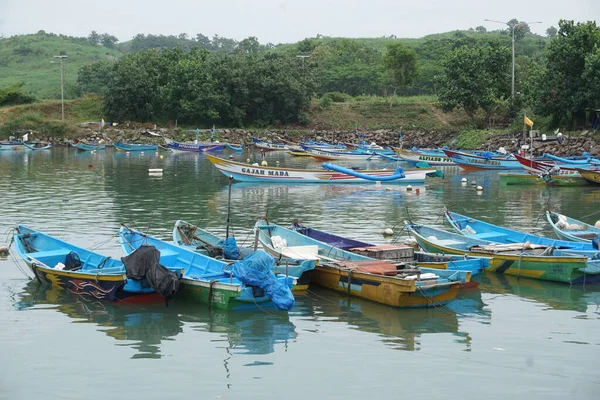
558 180
221 296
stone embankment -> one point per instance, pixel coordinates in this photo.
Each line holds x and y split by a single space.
571 145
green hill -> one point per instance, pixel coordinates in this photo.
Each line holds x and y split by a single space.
28 59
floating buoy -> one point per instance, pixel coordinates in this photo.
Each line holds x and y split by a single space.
464 180
264 163
388 189
479 188
277 162
408 188
161 156
388 232
418 191
473 183
231 157
247 161
90 166
155 171
597 224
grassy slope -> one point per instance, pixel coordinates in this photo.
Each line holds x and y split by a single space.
27 58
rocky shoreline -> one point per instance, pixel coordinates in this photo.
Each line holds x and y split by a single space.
573 145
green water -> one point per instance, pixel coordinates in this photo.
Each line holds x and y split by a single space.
519 338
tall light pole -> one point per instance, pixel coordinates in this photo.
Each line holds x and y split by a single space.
62 86
303 57
512 27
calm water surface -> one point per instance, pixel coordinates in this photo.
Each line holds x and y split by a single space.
519 338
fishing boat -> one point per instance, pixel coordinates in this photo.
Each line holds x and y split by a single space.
398 253
36 146
12 145
590 175
360 276
234 147
548 179
333 174
264 145
196 147
84 272
519 259
477 229
577 160
541 167
483 161
135 147
327 155
241 285
571 229
433 157
89 146
201 241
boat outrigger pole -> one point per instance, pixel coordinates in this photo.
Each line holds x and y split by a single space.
228 207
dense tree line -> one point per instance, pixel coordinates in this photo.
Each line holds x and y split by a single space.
203 87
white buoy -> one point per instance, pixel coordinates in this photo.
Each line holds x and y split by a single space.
161 156
247 161
277 162
141 152
388 188
479 188
597 224
155 171
388 232
473 183
408 188
264 163
464 180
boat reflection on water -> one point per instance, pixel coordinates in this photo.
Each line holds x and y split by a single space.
555 295
148 325
401 329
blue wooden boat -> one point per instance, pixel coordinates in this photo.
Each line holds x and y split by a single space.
89 146
475 265
571 229
361 276
484 160
234 147
201 241
477 229
583 161
265 145
519 259
78 270
214 282
197 147
134 147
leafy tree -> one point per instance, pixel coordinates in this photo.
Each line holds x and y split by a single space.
15 95
475 78
94 77
108 41
94 38
551 32
249 45
401 62
481 29
564 86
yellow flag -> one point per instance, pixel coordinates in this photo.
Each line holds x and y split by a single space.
527 121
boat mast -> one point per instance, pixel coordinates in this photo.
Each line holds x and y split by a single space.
228 207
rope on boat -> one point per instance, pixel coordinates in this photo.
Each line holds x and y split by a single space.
14 258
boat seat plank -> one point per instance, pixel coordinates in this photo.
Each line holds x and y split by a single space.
448 242
50 253
490 235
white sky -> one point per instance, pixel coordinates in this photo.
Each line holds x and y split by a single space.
281 21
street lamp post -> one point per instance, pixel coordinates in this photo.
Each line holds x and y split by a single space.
62 86
303 57
512 27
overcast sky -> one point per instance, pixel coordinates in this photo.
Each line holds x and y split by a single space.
281 21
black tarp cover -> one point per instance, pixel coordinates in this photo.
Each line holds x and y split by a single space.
144 263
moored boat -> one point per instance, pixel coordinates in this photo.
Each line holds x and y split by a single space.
477 229
519 259
201 241
88 273
254 173
241 285
329 154
197 147
590 175
485 161
432 156
559 179
89 146
264 145
571 229
360 276
134 147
